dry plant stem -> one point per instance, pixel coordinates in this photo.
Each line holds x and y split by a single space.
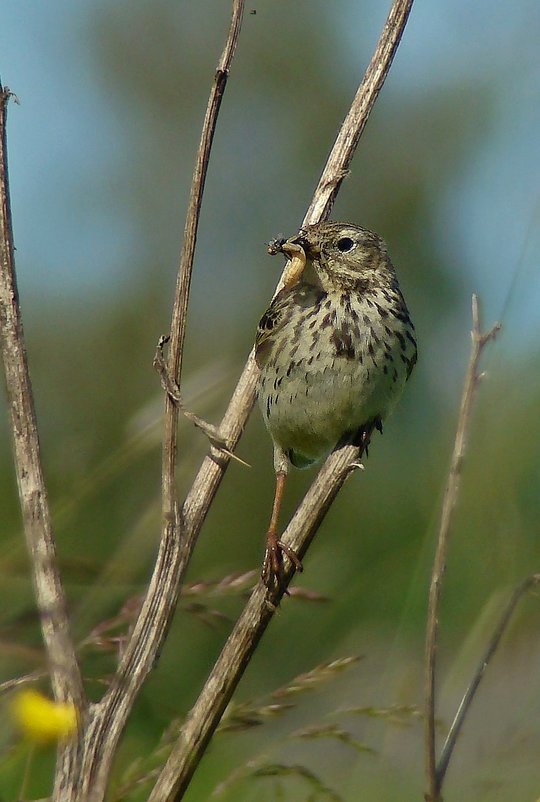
472 379
235 656
62 661
349 135
51 602
455 729
181 297
105 721
173 391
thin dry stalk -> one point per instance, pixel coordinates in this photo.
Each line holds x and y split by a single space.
40 541
472 380
183 283
105 721
468 696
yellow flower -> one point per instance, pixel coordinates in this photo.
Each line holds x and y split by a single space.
40 719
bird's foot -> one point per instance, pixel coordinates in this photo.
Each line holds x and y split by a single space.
362 436
273 570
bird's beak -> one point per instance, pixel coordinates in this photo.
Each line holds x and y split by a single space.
310 249
291 248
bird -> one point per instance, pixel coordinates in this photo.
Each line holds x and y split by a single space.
335 349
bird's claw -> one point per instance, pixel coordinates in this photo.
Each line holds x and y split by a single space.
273 570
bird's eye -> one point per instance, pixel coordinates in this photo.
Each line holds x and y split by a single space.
345 244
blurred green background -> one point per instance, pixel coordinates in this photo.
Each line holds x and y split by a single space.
101 155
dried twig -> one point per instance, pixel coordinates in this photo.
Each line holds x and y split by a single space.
25 679
249 628
468 696
472 379
236 654
105 721
51 602
173 392
183 283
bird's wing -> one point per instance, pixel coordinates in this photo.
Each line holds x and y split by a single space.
271 322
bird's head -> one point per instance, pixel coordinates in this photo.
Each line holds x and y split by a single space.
340 255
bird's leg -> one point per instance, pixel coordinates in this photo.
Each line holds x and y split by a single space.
272 571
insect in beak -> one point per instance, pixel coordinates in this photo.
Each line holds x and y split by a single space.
297 262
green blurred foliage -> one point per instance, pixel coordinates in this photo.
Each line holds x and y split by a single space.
99 407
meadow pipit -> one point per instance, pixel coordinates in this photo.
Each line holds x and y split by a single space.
335 349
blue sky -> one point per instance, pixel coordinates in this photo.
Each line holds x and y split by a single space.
67 131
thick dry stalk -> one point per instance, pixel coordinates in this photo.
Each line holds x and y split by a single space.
64 669
472 379
349 135
51 602
231 664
